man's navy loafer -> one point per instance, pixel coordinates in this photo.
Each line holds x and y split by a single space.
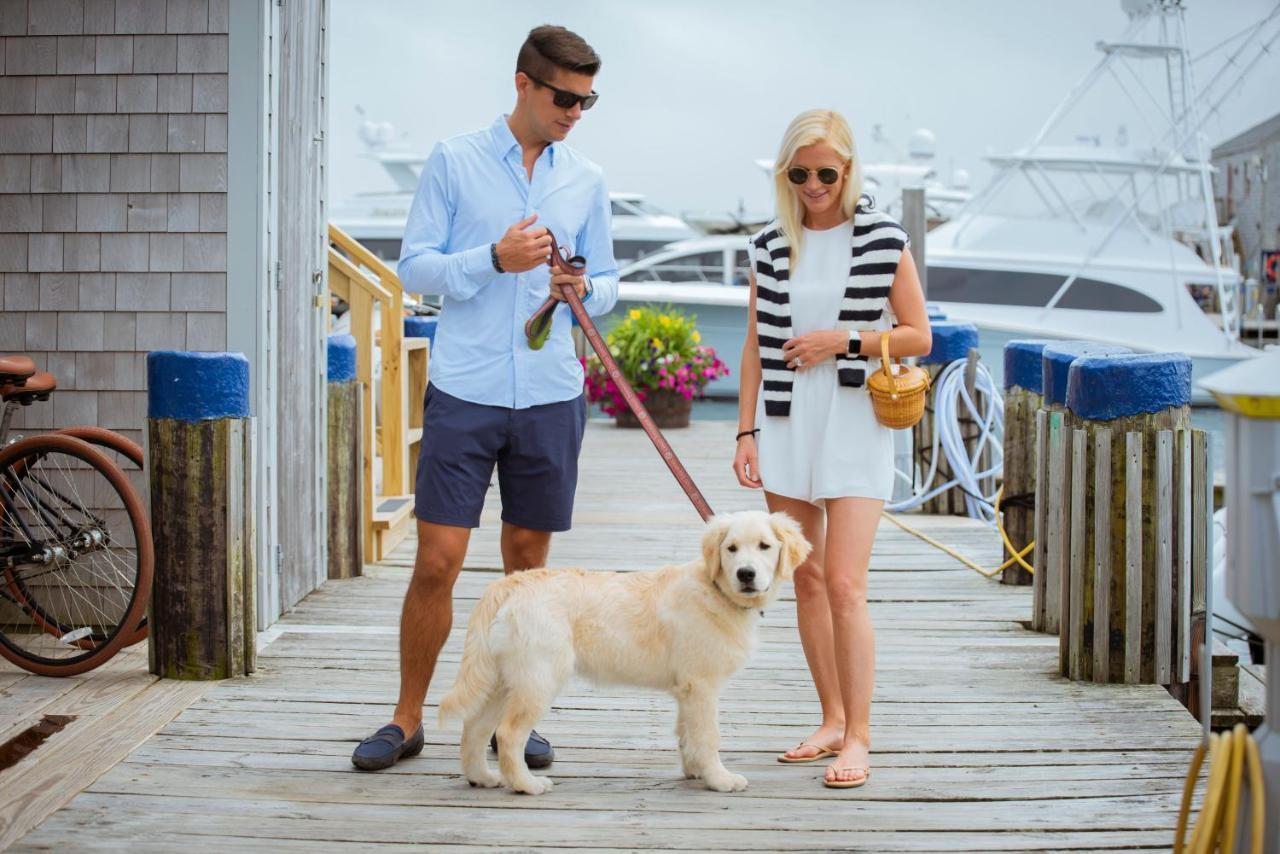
385 747
538 752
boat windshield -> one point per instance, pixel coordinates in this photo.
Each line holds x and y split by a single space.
635 207
706 267
1041 191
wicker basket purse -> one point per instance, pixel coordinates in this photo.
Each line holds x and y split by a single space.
898 391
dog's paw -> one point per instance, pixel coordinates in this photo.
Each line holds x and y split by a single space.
485 780
532 785
689 773
726 782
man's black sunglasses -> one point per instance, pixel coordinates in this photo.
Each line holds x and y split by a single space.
563 98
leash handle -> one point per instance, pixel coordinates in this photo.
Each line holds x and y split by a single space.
577 266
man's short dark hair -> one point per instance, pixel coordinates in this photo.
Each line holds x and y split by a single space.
548 48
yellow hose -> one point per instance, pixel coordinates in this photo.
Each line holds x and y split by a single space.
1232 755
988 573
1017 555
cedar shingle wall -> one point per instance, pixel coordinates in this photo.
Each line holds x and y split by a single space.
113 208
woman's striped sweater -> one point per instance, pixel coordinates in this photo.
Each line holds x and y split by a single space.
875 250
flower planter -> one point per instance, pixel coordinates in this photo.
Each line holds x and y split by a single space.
669 409
658 351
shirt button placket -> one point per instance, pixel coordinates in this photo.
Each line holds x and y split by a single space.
518 345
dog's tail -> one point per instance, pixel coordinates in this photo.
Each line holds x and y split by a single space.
478 672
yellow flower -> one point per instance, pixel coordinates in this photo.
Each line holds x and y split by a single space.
657 345
666 321
635 314
696 336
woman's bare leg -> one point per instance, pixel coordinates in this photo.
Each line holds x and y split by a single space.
851 530
813 614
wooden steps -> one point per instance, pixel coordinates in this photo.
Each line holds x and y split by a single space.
392 522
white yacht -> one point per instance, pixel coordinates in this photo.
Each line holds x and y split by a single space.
377 218
640 228
1118 244
1068 241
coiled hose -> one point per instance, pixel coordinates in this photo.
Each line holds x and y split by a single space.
1233 758
950 400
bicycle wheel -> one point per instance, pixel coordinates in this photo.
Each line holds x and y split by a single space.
127 455
76 558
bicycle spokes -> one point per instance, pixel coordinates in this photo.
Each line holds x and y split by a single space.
69 552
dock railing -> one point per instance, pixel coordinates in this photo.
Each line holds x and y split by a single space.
391 433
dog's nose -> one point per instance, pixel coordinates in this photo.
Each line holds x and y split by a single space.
746 575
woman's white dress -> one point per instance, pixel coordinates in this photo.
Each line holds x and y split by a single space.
830 445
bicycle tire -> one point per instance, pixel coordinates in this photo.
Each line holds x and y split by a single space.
127 448
102 437
132 452
12 459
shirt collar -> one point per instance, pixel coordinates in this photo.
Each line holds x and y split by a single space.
504 140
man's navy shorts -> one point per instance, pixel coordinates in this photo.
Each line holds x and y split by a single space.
535 450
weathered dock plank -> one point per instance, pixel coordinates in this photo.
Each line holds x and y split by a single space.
979 745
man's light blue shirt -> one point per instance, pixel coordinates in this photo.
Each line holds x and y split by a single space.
473 188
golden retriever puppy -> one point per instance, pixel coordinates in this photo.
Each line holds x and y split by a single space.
680 629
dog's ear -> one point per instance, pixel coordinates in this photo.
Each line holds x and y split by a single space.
795 548
712 538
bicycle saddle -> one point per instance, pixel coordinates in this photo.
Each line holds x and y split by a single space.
38 386
15 369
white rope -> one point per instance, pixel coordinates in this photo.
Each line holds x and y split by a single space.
950 400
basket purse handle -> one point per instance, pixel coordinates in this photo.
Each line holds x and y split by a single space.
884 362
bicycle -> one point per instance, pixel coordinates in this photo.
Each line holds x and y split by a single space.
76 558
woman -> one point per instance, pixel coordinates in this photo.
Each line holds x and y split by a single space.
828 275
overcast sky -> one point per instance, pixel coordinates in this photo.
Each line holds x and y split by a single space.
693 92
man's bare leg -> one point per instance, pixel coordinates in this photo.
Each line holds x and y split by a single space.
524 548
427 617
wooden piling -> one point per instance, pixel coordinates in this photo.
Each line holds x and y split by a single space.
1135 547
343 466
1022 399
201 619
1055 500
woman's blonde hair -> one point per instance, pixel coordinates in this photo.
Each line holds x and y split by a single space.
810 128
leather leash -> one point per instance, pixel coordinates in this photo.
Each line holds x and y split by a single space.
538 327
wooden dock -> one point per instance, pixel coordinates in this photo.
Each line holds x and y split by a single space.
978 744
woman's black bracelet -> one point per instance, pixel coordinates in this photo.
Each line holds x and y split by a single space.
746 433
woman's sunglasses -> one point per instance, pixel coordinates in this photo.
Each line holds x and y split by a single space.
563 98
827 174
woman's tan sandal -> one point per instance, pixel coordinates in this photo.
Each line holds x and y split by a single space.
823 753
848 784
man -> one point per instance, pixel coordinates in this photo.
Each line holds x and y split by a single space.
478 235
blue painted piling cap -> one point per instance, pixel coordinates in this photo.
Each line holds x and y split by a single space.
935 313
342 358
420 327
1023 364
1056 361
1103 388
197 386
951 342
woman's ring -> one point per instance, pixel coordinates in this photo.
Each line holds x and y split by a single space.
799 362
